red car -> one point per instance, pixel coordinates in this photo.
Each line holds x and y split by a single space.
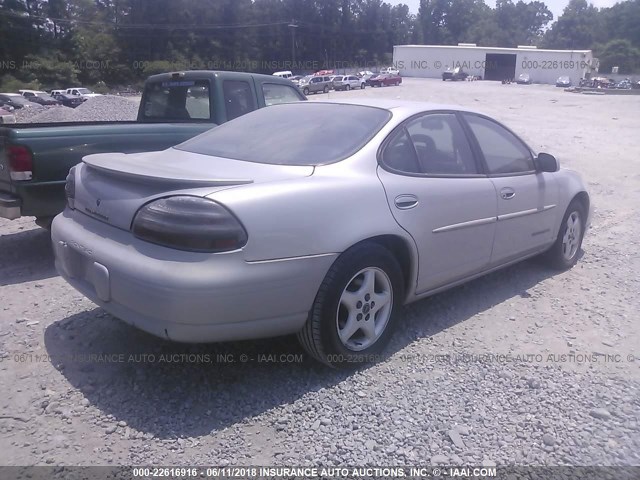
384 80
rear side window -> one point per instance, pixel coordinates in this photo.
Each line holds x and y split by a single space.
276 93
400 155
503 152
178 100
238 98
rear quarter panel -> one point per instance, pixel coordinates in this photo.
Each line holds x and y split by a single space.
328 212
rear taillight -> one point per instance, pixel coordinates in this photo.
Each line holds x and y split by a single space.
70 188
20 162
189 223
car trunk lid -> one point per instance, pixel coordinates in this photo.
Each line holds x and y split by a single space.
112 187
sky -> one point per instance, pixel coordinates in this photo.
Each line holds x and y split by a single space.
556 6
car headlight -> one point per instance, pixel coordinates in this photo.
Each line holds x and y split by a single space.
189 223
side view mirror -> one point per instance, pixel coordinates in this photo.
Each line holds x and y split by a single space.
547 163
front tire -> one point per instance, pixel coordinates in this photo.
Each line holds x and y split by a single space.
347 88
564 253
355 310
362 85
326 89
306 92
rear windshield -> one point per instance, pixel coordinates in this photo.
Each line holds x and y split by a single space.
305 133
177 100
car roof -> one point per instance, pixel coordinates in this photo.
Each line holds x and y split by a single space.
11 94
400 106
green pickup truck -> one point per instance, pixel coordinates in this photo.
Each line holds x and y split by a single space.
35 158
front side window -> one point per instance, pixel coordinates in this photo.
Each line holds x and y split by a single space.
238 98
503 152
277 93
441 145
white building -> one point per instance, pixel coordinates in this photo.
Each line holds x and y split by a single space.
493 63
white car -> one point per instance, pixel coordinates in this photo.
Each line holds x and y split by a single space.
284 74
82 92
390 71
6 116
347 82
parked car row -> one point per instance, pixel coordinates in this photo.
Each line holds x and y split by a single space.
325 80
70 97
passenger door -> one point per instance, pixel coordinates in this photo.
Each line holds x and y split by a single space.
526 198
437 194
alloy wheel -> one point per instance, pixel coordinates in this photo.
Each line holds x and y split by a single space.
364 308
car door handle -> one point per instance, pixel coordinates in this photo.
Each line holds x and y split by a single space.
507 193
405 202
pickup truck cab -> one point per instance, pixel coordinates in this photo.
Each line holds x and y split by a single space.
35 158
82 92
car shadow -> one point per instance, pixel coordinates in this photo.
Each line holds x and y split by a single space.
173 390
26 256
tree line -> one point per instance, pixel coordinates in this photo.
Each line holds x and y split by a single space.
102 43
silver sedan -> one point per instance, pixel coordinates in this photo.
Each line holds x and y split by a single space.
315 218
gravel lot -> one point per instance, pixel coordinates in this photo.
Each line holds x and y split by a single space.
476 375
106 108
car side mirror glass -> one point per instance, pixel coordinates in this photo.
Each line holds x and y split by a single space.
547 163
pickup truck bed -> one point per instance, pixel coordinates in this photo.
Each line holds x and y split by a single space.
57 148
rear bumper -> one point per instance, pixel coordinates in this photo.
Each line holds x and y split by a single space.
184 296
10 206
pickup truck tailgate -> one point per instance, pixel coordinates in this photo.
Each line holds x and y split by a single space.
5 177
9 202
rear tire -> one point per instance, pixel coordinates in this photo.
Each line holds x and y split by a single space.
347 88
346 325
326 89
564 253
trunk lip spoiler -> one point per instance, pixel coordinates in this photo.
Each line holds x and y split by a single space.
180 177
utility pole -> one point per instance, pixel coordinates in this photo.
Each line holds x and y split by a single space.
293 25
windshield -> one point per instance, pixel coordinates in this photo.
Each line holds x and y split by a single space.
293 134
176 100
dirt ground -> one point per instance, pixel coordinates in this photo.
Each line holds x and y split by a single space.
54 410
